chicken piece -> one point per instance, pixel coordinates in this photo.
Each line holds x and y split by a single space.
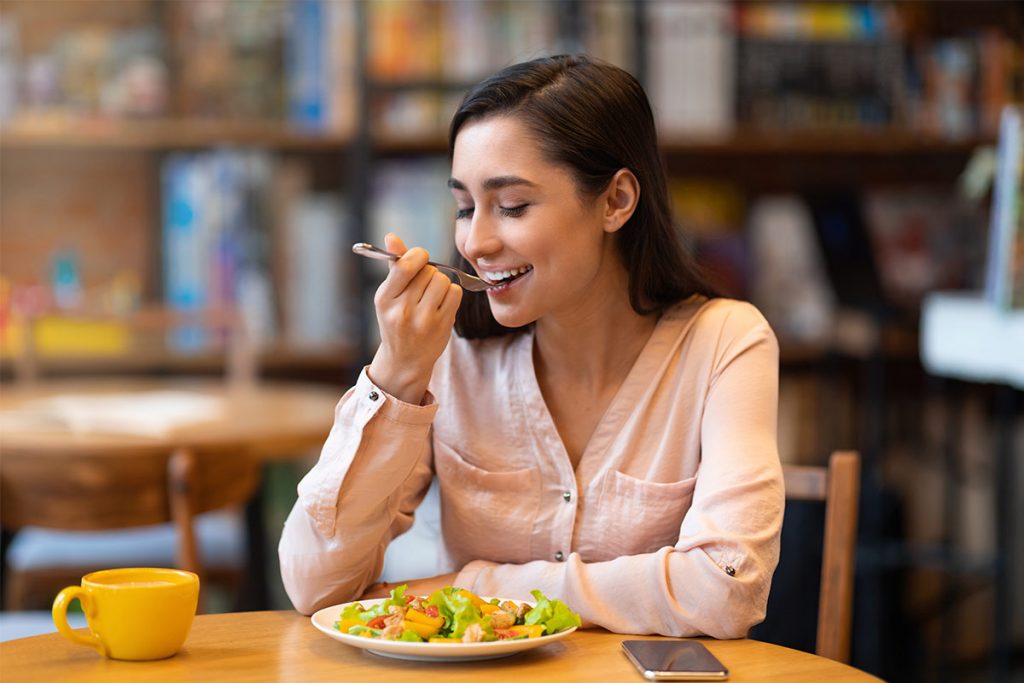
502 619
474 634
518 611
392 632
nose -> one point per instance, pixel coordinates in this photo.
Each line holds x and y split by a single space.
480 239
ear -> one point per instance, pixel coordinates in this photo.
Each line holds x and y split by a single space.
619 201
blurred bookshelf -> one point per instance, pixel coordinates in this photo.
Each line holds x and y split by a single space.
349 103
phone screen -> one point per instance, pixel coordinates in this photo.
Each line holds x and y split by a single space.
674 660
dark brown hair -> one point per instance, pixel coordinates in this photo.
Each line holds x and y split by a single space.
593 119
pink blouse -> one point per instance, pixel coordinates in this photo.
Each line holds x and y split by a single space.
669 524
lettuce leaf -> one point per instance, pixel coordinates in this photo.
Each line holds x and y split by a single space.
356 611
554 615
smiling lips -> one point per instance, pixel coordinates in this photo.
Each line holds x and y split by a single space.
504 277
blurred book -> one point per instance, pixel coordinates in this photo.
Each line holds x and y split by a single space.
921 240
790 285
711 214
8 68
1004 271
314 244
846 249
814 66
320 65
608 32
435 48
951 70
469 57
410 198
220 223
404 40
691 57
229 58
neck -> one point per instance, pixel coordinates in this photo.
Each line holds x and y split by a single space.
595 343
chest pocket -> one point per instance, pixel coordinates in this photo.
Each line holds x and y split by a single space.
485 515
623 515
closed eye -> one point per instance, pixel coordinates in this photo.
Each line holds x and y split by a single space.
513 211
463 213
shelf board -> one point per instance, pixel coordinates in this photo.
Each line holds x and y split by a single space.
823 143
276 357
65 133
161 134
752 142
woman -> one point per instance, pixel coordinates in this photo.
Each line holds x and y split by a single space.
602 427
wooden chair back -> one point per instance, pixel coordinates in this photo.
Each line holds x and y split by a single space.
115 490
838 486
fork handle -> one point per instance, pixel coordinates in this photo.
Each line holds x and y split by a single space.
366 249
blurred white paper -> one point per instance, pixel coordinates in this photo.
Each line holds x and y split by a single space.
148 413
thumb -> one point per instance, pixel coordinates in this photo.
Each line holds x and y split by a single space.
394 244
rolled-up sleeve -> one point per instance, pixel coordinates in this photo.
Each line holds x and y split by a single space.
715 579
373 470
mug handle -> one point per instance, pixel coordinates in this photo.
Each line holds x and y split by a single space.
60 617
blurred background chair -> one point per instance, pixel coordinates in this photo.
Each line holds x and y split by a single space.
135 505
838 487
139 507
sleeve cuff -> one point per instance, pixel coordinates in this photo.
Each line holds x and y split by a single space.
391 408
470 573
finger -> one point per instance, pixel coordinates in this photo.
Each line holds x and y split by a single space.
452 299
435 292
403 272
414 290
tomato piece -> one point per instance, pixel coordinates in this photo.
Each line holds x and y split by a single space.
431 611
377 622
409 598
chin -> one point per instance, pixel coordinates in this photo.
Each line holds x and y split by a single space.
511 318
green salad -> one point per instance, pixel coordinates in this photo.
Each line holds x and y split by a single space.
455 615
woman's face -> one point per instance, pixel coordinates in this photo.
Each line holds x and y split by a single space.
521 221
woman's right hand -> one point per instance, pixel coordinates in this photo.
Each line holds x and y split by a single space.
416 306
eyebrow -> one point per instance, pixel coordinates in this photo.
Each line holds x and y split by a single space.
495 183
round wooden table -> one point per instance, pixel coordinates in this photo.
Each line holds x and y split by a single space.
284 646
267 420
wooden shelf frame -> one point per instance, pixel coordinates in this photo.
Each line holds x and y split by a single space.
163 134
168 134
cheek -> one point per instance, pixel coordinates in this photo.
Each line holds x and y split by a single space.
460 240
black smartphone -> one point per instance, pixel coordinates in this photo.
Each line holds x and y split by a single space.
674 660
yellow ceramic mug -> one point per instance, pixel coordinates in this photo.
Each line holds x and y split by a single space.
137 613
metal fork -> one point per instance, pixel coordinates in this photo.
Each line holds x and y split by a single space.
470 283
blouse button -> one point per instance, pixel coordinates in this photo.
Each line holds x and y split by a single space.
374 395
567 496
730 570
559 556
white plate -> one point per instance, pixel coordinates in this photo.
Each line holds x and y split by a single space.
427 652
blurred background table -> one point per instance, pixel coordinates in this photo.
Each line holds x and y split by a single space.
285 646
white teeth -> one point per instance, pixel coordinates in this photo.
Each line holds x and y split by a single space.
498 275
